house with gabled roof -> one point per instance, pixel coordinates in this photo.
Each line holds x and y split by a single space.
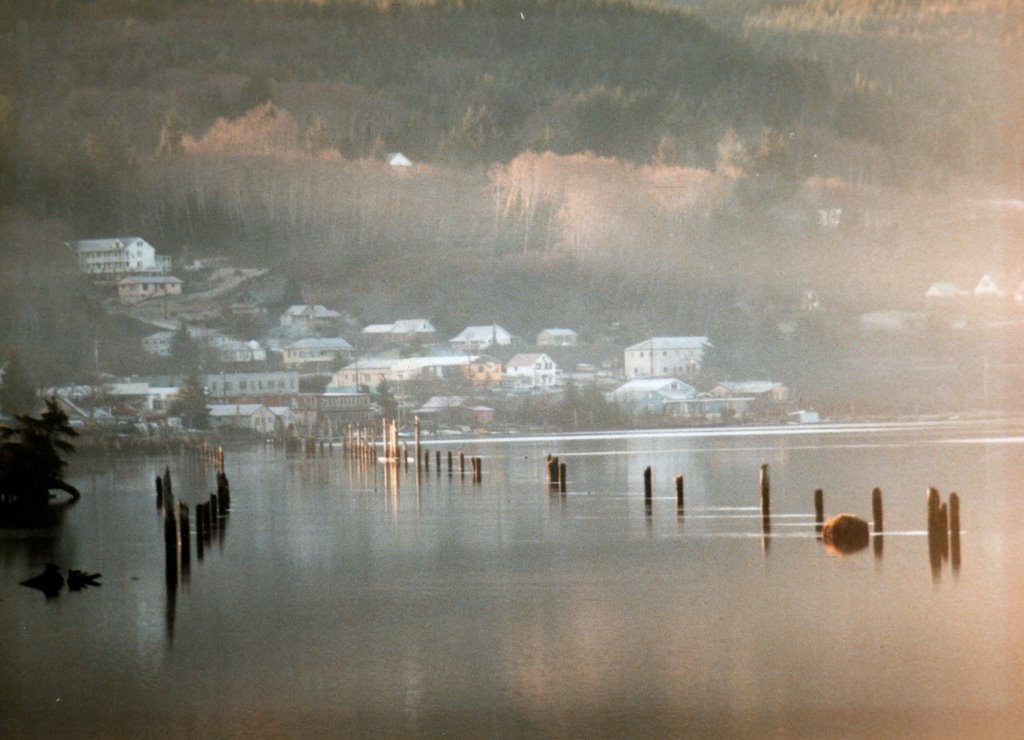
557 338
403 330
316 353
314 318
531 370
987 287
136 289
251 417
632 391
479 338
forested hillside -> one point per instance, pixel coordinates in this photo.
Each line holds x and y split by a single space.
584 162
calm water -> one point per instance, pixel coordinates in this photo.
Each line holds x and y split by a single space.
336 603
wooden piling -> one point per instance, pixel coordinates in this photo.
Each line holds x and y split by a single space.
647 484
405 456
184 531
819 509
766 491
159 492
679 491
876 508
416 436
562 478
449 463
214 511
437 461
462 464
933 509
954 531
426 460
170 533
943 529
199 531
223 492
936 538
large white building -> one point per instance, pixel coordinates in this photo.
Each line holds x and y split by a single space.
125 255
665 357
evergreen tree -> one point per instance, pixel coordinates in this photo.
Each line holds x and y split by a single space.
192 402
386 399
31 456
17 396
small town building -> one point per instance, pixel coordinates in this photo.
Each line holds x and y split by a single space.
987 288
316 354
665 357
402 331
485 372
251 417
648 395
535 371
557 338
327 415
454 411
366 372
312 318
120 256
409 330
158 344
236 351
944 291
251 385
479 338
767 390
136 289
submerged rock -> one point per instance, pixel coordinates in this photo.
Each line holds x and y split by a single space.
846 533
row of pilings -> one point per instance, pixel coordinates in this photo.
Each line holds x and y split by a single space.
210 519
843 533
369 444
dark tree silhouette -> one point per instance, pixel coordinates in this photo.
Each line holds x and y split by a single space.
31 458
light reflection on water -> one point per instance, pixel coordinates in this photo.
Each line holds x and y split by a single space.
370 602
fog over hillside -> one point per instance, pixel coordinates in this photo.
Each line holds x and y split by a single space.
685 168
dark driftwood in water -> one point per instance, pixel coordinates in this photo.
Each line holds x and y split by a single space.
846 533
50 581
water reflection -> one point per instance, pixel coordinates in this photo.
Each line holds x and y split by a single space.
511 595
211 523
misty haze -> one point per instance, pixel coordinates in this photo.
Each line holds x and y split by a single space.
500 368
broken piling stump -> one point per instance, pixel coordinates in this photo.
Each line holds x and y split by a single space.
845 533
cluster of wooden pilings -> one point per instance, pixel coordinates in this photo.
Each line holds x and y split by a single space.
210 520
369 446
943 521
